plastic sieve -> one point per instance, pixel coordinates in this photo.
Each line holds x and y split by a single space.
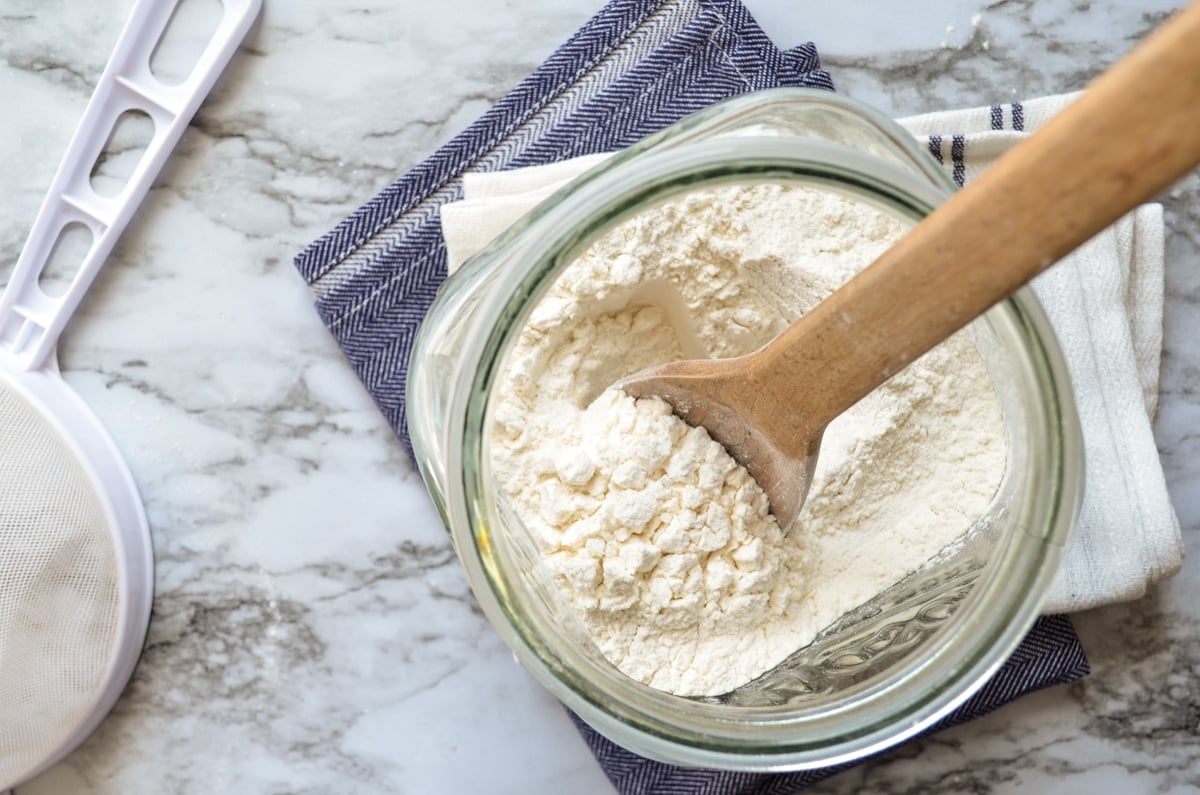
76 566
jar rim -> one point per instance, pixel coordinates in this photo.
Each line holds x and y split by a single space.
918 692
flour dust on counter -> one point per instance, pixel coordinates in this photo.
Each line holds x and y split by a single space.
662 543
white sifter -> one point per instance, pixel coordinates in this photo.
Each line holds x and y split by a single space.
76 567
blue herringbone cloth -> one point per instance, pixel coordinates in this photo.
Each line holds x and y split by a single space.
636 67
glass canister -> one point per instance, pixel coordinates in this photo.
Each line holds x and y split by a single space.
883 672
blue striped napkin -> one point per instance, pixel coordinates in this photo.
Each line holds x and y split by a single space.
634 68
638 66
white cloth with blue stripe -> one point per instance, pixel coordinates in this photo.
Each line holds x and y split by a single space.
1105 301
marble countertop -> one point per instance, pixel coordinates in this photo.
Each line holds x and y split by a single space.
312 632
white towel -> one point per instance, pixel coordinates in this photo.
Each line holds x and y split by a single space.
1105 301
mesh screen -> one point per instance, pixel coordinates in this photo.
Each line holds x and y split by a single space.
58 590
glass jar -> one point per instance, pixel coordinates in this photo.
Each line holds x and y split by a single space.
884 672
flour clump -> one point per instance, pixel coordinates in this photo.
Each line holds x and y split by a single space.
653 534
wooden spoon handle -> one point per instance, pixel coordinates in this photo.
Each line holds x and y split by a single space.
1135 131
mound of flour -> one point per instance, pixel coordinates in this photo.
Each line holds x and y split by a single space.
660 541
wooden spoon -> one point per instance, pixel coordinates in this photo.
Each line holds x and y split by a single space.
1134 132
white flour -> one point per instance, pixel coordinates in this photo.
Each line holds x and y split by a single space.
658 539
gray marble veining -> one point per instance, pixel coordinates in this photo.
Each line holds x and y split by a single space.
312 632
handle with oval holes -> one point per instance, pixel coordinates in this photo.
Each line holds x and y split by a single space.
31 319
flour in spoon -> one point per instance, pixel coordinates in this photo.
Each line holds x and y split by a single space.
662 544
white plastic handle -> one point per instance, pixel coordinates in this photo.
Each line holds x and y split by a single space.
31 320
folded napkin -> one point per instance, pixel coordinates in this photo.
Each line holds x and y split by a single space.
637 66
1105 302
